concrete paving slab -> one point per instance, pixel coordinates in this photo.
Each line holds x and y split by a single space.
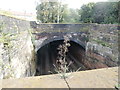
48 81
98 78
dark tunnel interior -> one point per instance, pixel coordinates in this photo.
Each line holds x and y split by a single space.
47 56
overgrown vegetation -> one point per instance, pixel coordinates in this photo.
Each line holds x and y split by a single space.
101 12
57 12
103 43
7 13
62 65
51 12
10 14
5 39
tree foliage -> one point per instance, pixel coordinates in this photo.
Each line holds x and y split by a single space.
86 13
51 12
101 12
72 16
56 12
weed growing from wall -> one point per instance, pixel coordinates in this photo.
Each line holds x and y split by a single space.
5 40
62 66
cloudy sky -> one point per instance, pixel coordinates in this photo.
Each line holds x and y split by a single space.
29 5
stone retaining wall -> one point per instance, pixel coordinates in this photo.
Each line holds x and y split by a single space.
16 48
102 47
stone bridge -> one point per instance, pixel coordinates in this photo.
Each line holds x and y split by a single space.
49 36
46 33
93 46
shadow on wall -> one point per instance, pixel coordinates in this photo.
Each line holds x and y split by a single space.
47 56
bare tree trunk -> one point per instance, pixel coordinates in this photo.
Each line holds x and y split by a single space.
58 12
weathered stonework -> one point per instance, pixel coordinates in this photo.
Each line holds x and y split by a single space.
17 54
16 49
103 45
99 40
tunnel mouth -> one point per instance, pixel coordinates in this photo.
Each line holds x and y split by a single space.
48 54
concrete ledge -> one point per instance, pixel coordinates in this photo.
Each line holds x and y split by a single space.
98 78
48 81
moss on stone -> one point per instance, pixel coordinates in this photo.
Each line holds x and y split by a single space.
103 43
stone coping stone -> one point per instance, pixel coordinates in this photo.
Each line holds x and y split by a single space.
97 78
46 81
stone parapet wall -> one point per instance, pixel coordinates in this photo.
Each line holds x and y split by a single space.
101 78
60 27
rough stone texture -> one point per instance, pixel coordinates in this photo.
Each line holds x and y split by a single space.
17 53
16 48
99 40
60 27
1 61
45 33
99 56
102 47
100 78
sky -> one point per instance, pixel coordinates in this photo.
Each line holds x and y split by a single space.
29 5
79 3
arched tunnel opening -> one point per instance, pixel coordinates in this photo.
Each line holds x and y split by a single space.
48 54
